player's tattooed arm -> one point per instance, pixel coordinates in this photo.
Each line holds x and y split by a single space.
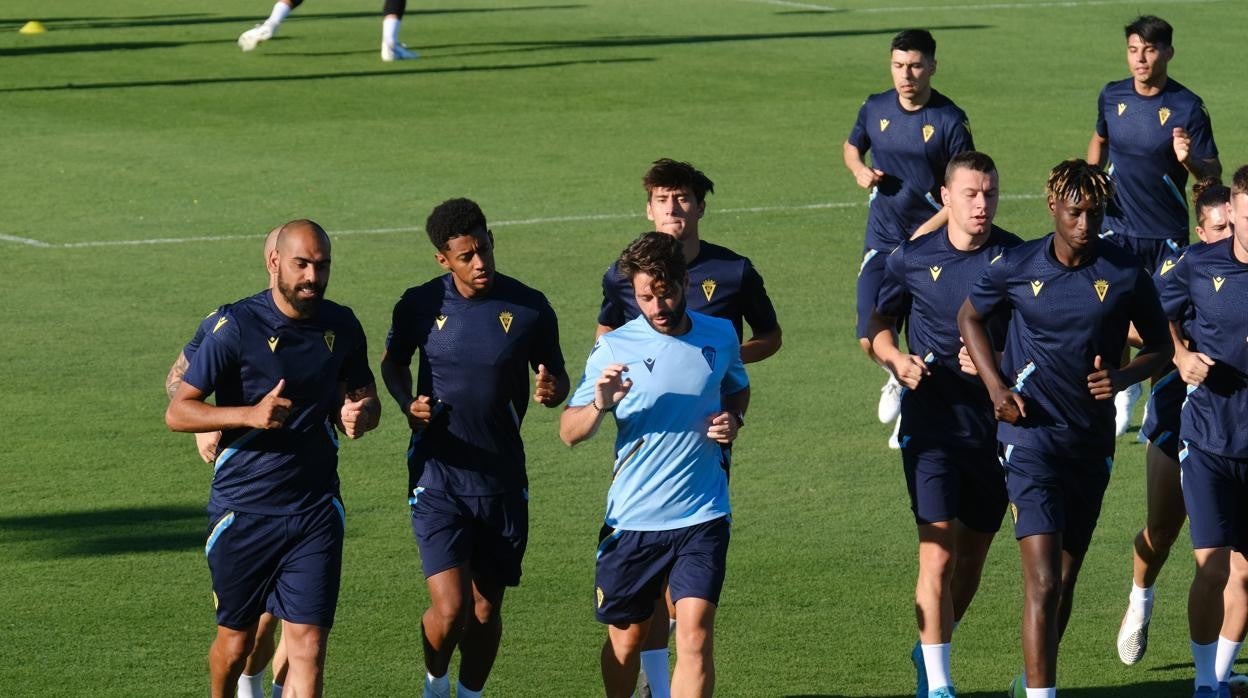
176 372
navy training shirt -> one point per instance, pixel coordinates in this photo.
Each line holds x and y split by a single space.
912 148
926 280
722 283
202 330
1061 318
476 356
249 349
1215 284
1149 199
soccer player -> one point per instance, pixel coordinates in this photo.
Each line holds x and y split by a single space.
251 682
1213 280
676 384
726 285
479 334
948 431
1071 296
1165 509
392 16
911 132
287 366
1150 133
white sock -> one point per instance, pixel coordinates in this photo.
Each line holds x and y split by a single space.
671 626
1227 651
461 692
654 664
277 690
280 10
936 662
1042 692
390 31
1141 598
251 686
439 686
1204 656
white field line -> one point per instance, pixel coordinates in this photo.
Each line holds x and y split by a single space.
31 242
980 6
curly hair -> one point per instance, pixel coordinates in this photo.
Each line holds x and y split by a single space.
657 255
452 218
1077 180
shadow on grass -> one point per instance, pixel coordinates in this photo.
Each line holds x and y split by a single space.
103 532
104 46
383 72
1143 689
199 18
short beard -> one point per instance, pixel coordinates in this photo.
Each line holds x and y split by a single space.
305 307
677 317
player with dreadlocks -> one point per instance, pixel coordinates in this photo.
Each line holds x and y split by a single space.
1072 297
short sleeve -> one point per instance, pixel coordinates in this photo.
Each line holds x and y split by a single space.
401 342
545 349
960 139
735 378
1146 312
893 298
756 305
355 370
1200 128
1176 291
599 358
1102 127
859 136
612 312
205 326
217 353
991 289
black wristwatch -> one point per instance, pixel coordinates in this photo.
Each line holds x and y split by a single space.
740 418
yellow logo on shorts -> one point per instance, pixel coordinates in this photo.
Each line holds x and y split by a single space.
1014 511
708 288
329 340
1036 286
1164 115
440 320
216 603
928 131
935 271
600 596
883 125
1102 287
505 318
1217 283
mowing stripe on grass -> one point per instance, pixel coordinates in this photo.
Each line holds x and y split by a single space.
407 229
982 6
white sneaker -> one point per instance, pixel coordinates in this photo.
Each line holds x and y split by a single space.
890 401
397 52
893 442
1124 402
252 37
1133 634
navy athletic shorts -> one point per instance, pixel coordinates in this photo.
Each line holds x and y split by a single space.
1215 489
288 565
870 278
1055 494
1161 419
955 483
488 534
632 566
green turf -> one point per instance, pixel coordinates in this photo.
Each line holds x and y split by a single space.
133 120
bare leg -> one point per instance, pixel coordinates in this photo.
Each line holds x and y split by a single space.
1166 514
933 602
305 652
483 631
695 649
264 648
972 551
621 658
1042 565
226 658
280 664
1204 599
443 622
1235 600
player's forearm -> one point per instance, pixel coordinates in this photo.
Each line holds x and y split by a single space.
737 403
853 159
578 424
176 372
760 346
883 341
1151 360
189 415
1203 168
1096 149
975 337
398 380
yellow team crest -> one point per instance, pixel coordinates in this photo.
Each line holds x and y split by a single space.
1121 108
220 323
1102 287
505 318
935 272
884 125
708 288
1164 115
928 131
440 321
601 596
1014 511
1166 266
1036 286
329 340
273 344
1217 283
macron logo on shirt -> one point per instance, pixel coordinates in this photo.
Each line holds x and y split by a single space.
649 364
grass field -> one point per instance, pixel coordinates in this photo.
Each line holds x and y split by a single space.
144 156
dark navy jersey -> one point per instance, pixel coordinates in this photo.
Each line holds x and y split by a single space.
1215 284
248 350
926 281
722 283
1149 181
476 356
202 330
1061 319
912 148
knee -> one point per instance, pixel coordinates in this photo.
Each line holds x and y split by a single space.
1160 537
695 641
449 610
485 611
1212 571
626 641
305 644
233 646
1044 586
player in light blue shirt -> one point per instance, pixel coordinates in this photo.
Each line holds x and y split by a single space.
678 388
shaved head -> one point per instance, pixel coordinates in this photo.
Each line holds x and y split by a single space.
302 230
300 264
270 241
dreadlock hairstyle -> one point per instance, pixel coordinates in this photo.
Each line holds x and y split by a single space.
1207 193
1076 180
657 255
